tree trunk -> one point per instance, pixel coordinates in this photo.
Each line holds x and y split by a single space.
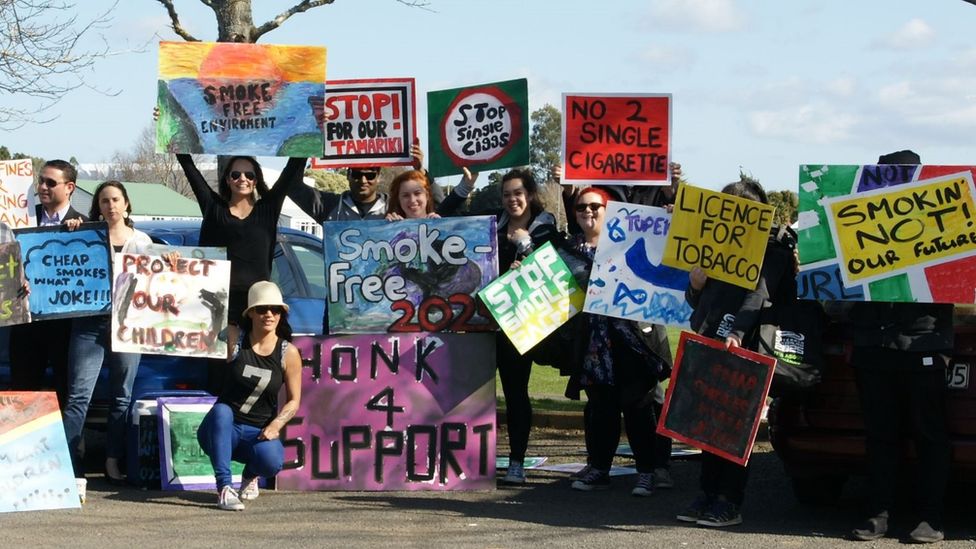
234 20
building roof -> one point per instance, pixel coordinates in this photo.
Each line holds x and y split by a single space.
151 199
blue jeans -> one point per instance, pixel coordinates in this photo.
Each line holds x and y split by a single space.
224 440
89 349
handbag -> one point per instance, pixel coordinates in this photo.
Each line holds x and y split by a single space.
791 333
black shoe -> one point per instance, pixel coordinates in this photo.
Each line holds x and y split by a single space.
924 533
874 528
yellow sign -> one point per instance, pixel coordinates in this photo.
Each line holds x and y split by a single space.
723 234
883 232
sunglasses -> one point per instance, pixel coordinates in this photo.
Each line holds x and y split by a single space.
593 206
237 175
263 309
48 182
368 176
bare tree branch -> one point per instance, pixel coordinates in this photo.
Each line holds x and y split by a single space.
302 6
175 20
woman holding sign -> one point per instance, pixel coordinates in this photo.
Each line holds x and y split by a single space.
411 196
90 345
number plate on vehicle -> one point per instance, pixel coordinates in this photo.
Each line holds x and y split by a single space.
957 376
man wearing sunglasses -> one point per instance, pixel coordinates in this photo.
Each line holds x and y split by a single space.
35 346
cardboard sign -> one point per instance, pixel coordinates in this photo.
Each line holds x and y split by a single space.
182 463
415 275
628 279
617 138
170 310
888 233
13 309
368 122
723 234
393 412
530 302
482 127
35 467
69 271
716 397
241 99
16 182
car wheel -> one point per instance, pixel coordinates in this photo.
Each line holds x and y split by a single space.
820 490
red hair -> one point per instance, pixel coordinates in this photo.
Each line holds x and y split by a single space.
595 190
411 175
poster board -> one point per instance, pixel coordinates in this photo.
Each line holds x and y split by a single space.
13 309
530 302
723 234
170 310
483 127
895 233
35 467
393 412
409 276
616 138
368 122
182 463
716 397
69 271
16 186
628 279
239 99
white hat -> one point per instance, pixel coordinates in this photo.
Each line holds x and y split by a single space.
264 293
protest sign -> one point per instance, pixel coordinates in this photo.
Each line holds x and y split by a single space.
723 234
16 182
241 99
888 232
182 463
415 275
170 309
69 271
530 302
35 467
716 397
393 412
368 122
482 127
616 138
13 308
628 280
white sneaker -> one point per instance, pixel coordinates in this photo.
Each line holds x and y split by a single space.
228 500
82 488
249 489
515 473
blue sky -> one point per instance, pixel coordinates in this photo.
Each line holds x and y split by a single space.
765 85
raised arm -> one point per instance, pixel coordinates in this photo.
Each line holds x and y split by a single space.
317 204
453 202
290 177
205 195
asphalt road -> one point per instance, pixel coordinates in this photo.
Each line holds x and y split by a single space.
544 513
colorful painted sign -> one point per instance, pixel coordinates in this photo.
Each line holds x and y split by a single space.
530 302
170 309
628 279
16 182
182 463
13 308
723 234
69 271
482 127
35 467
393 412
415 275
233 98
617 138
888 233
716 397
368 122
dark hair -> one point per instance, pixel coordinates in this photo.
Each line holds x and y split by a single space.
95 213
748 189
283 330
260 186
530 185
393 206
69 171
900 157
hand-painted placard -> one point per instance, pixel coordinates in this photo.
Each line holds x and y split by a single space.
723 234
530 302
409 276
35 467
888 232
628 279
234 98
13 308
182 463
617 138
716 397
69 272
482 127
393 412
368 122
169 309
16 180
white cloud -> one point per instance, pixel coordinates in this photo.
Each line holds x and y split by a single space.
696 15
842 87
812 123
915 34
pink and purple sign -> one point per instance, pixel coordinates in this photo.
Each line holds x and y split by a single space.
393 412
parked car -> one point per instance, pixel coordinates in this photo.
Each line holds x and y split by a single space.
820 437
298 269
